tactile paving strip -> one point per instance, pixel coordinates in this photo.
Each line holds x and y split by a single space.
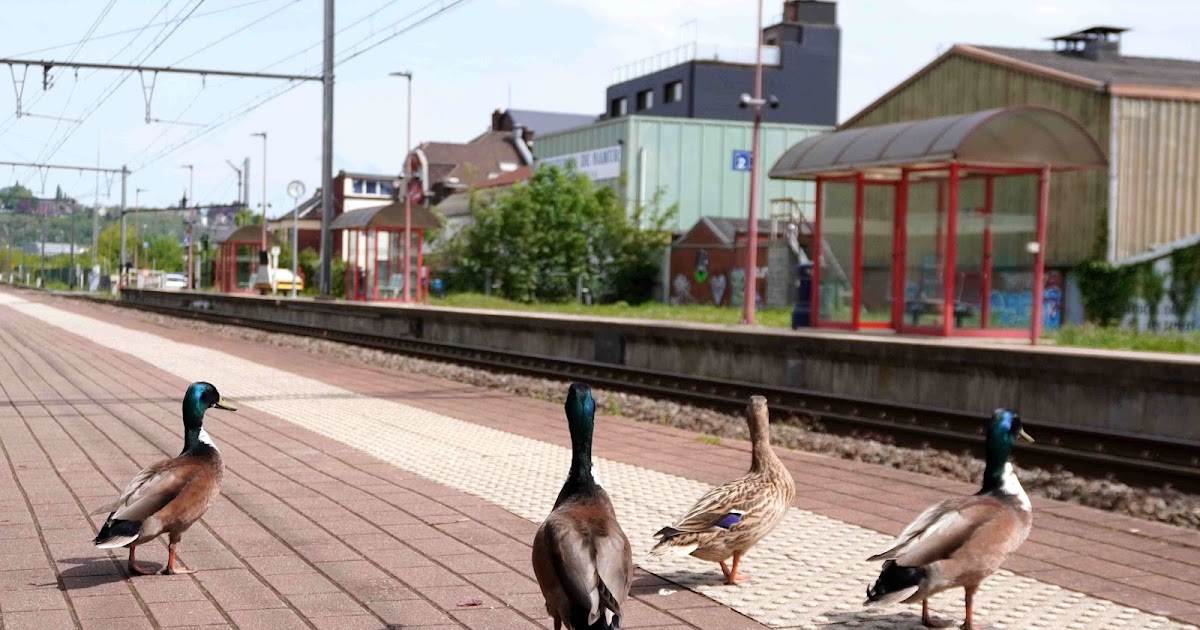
809 573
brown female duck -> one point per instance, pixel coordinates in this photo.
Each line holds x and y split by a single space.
169 496
732 518
960 542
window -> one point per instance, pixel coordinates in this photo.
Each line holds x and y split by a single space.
673 92
385 189
371 188
619 107
645 99
357 184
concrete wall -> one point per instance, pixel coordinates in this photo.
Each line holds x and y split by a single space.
1138 393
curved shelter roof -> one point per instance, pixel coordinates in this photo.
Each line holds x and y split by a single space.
245 234
386 216
1010 137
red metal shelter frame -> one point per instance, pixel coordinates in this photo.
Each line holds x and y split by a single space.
363 230
369 237
1016 141
225 270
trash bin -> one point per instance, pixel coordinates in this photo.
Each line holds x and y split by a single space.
802 310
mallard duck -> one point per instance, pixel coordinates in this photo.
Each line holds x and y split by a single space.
961 541
168 496
732 518
581 557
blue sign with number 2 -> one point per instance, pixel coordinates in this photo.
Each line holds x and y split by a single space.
741 160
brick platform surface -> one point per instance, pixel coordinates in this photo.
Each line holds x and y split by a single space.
312 533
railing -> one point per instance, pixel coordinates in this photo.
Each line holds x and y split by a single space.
693 51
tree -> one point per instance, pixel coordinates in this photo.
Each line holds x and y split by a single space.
164 253
108 243
541 237
246 217
10 195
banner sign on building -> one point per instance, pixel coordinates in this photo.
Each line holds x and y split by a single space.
597 164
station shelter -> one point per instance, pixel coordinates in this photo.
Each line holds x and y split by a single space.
238 260
373 247
940 222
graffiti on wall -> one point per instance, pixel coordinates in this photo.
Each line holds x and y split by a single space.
1012 306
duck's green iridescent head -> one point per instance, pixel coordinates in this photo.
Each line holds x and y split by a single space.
581 418
199 398
1003 430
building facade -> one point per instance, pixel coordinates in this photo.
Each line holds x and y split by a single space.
1145 112
701 165
801 58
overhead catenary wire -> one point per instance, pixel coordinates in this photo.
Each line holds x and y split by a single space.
147 25
131 30
446 5
103 99
288 4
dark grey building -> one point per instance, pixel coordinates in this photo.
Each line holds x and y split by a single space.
800 67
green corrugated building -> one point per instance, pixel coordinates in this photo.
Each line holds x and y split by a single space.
700 164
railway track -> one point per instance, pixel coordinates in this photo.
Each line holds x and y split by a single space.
1131 458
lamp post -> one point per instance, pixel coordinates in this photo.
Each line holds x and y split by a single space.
190 221
263 135
239 179
407 198
296 191
755 103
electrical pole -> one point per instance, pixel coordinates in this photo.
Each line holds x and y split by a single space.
96 220
327 153
124 183
263 249
752 229
239 178
407 198
191 220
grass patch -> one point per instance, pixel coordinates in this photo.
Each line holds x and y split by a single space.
1122 339
713 440
770 317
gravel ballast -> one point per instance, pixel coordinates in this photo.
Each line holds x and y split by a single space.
1163 504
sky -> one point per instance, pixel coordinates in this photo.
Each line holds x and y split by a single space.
468 58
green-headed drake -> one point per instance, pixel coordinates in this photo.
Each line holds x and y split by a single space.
961 541
732 518
581 557
170 495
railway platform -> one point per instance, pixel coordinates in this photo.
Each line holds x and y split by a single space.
359 497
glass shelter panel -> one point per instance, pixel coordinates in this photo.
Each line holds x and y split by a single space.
1014 226
972 233
878 244
837 256
924 260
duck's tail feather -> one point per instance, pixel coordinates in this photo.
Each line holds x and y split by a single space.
117 533
894 585
667 548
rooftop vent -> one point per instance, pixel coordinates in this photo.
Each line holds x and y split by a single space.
1098 43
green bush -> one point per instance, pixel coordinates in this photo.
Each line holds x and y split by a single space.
1152 288
539 238
1185 279
1107 291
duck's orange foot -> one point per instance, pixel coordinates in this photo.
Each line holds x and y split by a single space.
136 569
170 570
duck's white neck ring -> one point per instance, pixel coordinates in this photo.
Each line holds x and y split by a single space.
205 439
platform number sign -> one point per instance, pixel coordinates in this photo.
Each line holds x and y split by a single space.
741 160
